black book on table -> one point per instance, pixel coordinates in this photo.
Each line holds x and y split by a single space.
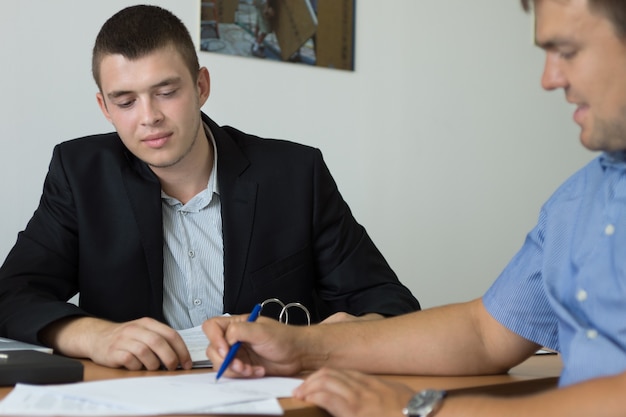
35 367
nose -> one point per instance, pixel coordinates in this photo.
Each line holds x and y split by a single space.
553 76
150 112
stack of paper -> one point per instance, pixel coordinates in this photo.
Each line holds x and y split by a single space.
187 394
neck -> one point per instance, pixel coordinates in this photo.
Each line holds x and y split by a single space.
192 173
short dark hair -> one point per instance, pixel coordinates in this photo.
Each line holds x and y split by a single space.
136 31
614 10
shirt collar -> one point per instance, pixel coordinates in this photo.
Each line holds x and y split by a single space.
615 159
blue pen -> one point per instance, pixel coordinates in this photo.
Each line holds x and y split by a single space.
234 348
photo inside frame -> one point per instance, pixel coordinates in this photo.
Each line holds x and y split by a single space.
310 32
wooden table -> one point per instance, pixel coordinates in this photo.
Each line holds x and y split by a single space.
538 373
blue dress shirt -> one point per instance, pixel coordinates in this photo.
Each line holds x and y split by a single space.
566 288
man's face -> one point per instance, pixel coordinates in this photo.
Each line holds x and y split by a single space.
154 104
586 58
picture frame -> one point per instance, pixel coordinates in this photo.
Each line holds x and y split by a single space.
310 32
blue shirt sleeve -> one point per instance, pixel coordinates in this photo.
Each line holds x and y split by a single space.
518 300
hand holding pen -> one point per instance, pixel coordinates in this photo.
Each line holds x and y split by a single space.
232 352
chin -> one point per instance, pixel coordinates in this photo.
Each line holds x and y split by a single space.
588 140
161 165
591 146
595 145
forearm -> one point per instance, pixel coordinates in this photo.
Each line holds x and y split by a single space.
411 343
417 343
601 397
72 336
139 344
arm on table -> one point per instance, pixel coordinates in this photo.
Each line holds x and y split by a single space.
138 344
459 339
349 393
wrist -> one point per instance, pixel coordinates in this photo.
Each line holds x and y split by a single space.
314 352
70 335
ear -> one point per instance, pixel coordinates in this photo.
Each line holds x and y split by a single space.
204 85
103 106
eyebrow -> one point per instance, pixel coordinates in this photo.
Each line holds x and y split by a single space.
166 82
553 43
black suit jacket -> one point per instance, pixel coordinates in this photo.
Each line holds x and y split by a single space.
98 231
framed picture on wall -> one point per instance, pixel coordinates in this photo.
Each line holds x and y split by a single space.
310 32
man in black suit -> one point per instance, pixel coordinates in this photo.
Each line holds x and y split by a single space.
173 219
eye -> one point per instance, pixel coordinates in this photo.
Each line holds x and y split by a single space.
124 104
167 93
567 54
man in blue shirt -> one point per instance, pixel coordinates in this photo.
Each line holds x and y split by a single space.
565 289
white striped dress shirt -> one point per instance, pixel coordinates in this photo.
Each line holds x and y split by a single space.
193 252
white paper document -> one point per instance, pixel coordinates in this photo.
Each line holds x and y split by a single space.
196 342
10 344
188 394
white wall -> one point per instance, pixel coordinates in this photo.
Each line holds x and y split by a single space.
441 140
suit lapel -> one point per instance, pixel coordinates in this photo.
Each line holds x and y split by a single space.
238 199
144 193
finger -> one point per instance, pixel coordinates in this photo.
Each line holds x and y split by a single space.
158 345
120 359
135 355
214 329
325 379
335 405
350 393
176 345
262 346
342 383
335 391
243 369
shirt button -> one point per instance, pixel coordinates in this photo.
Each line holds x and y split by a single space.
197 302
609 229
192 254
592 334
581 295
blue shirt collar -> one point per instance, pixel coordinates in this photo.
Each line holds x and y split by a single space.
613 159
